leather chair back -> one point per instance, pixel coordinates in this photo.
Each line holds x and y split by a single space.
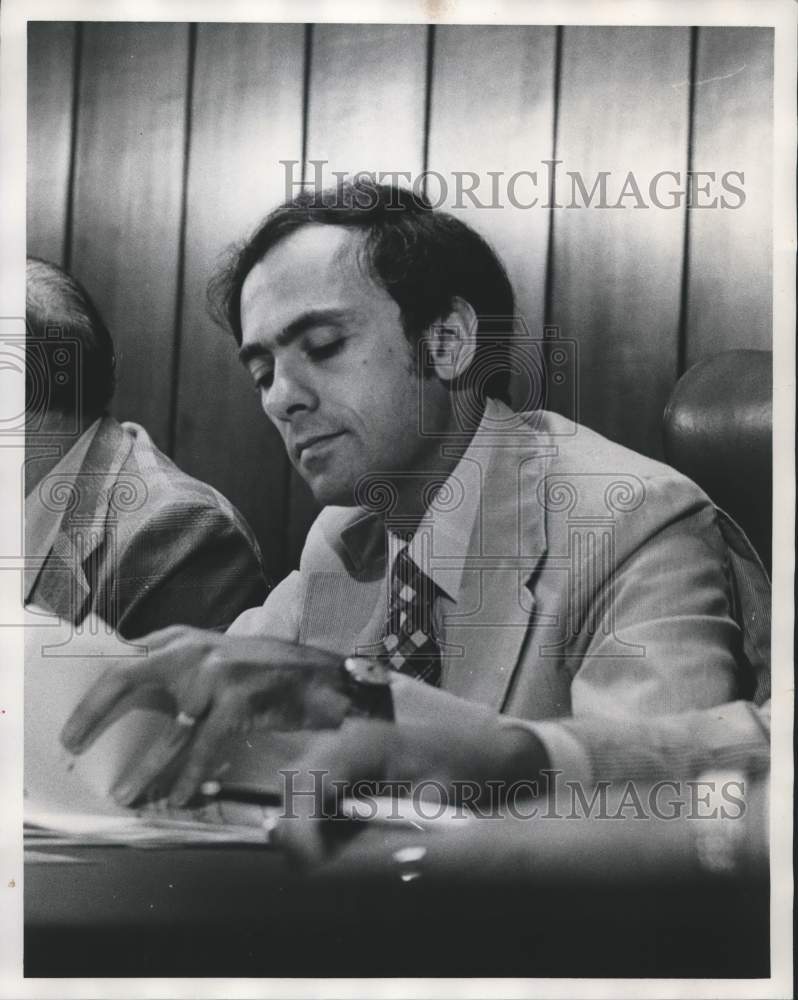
718 429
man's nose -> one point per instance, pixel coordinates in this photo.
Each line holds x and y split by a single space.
289 393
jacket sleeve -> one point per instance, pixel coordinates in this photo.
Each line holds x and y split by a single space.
659 636
184 565
277 618
734 736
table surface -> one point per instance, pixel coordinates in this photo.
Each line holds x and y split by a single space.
243 911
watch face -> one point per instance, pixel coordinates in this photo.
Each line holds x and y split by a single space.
362 670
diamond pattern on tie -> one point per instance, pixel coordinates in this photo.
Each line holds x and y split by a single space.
409 644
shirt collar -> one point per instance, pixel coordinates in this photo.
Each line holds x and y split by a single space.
442 539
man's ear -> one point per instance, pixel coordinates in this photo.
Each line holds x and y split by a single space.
452 341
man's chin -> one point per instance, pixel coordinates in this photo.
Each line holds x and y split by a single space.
330 494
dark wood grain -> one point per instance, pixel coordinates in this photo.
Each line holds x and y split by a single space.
618 271
729 281
51 67
498 116
128 185
367 94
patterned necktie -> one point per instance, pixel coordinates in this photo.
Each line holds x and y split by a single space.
409 645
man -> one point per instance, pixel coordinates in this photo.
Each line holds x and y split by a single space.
549 572
112 526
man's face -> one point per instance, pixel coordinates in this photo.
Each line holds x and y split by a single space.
337 377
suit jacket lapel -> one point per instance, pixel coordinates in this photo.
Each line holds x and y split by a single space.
84 496
486 634
62 586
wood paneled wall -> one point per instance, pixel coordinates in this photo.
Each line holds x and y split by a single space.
152 147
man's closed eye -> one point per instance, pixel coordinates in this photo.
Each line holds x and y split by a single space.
324 351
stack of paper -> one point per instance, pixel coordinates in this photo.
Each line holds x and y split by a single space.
67 798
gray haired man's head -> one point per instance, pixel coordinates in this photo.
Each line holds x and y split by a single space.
58 308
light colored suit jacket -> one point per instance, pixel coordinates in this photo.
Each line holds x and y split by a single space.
133 539
595 583
731 737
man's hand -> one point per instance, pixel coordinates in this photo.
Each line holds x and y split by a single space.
216 686
458 756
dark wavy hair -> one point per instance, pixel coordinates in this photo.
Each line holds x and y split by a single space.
422 257
55 303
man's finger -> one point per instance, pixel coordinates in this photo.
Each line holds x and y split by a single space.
143 679
165 636
136 780
209 738
92 714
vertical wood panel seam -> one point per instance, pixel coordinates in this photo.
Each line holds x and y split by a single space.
180 276
548 285
681 348
308 57
285 552
69 215
430 69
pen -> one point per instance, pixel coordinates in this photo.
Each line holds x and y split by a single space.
252 795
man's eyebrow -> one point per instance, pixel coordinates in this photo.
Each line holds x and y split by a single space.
304 322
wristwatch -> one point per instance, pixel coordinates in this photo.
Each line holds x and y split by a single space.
367 682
